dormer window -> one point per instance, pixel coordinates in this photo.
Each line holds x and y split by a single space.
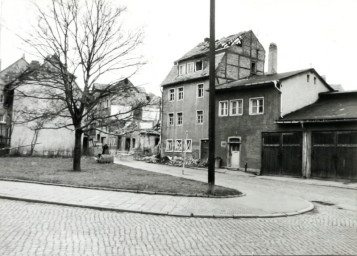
190 67
182 69
199 65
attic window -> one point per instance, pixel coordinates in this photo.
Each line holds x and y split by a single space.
182 69
190 67
253 68
314 80
198 65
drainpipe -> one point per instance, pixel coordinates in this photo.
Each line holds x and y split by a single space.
306 152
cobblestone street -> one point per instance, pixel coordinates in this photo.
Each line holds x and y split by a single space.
39 229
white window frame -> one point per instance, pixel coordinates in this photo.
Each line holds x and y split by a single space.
177 119
196 65
197 120
182 69
251 100
173 93
188 146
3 118
178 93
168 119
239 109
198 90
220 108
167 149
178 145
190 67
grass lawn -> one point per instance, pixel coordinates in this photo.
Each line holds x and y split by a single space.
114 176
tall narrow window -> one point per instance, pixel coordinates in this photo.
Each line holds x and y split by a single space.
223 108
172 95
200 116
179 119
190 67
182 69
200 91
253 68
236 107
180 93
169 146
171 119
256 106
2 118
188 145
199 65
1 98
308 78
314 80
178 145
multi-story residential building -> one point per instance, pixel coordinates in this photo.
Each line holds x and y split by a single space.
291 123
127 120
185 90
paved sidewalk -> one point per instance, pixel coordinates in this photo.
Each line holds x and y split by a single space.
255 203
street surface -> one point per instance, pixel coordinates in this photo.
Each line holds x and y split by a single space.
39 229
331 228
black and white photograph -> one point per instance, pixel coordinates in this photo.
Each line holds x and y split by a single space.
190 127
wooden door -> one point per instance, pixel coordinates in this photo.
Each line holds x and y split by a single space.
334 155
282 154
235 155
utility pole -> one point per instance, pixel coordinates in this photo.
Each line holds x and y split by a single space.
211 112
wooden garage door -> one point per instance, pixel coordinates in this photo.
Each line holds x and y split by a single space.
334 155
282 154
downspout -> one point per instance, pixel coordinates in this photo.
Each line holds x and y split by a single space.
304 150
276 87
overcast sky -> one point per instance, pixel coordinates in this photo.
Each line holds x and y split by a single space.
309 33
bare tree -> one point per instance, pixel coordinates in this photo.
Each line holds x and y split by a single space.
80 41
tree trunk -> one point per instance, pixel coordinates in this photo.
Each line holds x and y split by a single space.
77 153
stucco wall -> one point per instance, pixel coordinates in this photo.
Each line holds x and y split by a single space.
48 139
297 92
188 106
248 127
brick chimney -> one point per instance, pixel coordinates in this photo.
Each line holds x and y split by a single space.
273 59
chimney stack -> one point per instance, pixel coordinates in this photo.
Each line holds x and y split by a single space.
273 59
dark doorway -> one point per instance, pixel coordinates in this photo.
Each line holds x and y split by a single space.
127 144
204 150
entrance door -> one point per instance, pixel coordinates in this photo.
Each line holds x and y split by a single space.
204 150
235 155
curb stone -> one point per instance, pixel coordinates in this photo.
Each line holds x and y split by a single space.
191 215
123 190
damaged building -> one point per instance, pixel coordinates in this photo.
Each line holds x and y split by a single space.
130 123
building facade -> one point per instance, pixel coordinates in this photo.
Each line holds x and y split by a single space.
124 123
185 90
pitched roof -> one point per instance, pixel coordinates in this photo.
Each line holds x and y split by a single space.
266 79
223 43
174 78
331 106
